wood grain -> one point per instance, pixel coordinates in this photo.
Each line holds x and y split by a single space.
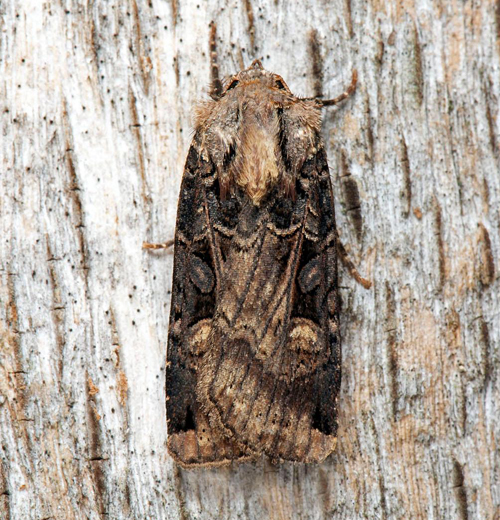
96 118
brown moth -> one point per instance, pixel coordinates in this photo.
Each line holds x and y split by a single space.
253 360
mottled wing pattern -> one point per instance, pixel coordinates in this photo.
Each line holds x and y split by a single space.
192 441
271 373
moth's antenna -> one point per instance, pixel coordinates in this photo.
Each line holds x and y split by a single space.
216 85
350 90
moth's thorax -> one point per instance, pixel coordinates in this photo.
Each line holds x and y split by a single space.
254 129
256 165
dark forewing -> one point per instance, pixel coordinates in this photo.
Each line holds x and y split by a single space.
192 441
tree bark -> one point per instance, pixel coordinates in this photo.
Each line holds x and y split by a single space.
96 104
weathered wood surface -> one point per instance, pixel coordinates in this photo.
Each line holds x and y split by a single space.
95 115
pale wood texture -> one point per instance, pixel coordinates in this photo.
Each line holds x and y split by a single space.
96 103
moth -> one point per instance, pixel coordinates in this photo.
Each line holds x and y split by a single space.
254 355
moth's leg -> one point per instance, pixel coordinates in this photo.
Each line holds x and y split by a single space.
163 245
216 84
350 90
350 266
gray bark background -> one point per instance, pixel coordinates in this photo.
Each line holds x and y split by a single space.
95 111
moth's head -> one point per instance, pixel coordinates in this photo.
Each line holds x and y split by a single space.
256 76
